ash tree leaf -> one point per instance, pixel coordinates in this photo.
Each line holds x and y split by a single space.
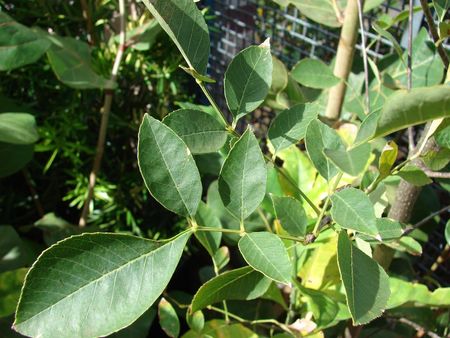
240 284
266 253
388 229
352 209
168 168
387 158
318 138
314 73
196 320
280 76
168 319
248 79
18 128
222 257
70 60
92 285
289 126
201 132
366 283
442 137
405 109
242 180
185 25
414 175
290 214
352 161
18 156
387 35
441 8
19 45
206 217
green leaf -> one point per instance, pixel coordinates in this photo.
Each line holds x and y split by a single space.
185 25
414 175
352 209
55 228
242 180
10 285
447 232
18 128
289 126
405 109
387 158
196 320
441 8
265 252
320 11
240 284
95 284
314 73
291 215
201 132
442 137
352 161
384 33
318 138
280 76
416 294
388 229
205 217
19 45
168 318
427 67
18 156
70 60
248 79
220 328
406 244
366 283
14 253
143 37
367 128
168 168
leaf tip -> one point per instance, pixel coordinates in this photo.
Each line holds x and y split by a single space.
265 44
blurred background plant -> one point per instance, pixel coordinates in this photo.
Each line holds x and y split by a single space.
68 118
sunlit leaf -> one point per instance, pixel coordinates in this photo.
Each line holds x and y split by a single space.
414 175
366 283
290 214
352 161
248 79
168 318
95 284
314 73
240 284
220 328
168 168
242 180
185 25
201 132
265 252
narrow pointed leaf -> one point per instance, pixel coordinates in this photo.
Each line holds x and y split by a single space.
70 60
248 79
168 318
318 138
19 45
291 215
314 73
185 25
265 252
94 284
242 180
168 168
201 132
353 161
18 128
352 209
405 109
366 283
205 217
289 126
240 284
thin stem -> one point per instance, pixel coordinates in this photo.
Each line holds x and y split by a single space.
417 327
106 109
224 303
264 219
409 70
213 103
364 52
293 295
434 33
89 23
411 228
327 203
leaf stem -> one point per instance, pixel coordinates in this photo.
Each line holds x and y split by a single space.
327 203
214 104
364 53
